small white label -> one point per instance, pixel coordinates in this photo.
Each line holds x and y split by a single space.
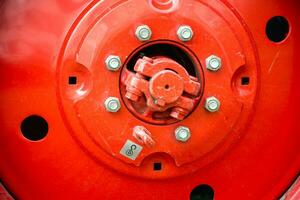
131 150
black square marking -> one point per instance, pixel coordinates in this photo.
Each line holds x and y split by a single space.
72 80
245 81
157 166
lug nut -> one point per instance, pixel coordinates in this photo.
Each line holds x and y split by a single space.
112 104
212 104
185 33
143 33
213 63
113 63
182 133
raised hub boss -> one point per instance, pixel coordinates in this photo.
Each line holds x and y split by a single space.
171 90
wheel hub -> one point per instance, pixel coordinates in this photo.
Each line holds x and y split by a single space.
163 84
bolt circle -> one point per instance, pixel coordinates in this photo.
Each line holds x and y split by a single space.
143 33
112 104
113 63
182 133
212 104
78 103
185 33
213 63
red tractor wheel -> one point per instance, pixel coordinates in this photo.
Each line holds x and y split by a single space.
149 99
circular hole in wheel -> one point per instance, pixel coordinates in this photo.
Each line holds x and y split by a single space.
34 128
202 192
277 29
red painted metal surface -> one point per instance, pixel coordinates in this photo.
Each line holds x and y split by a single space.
249 149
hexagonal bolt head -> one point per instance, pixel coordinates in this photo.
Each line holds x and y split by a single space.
185 33
212 104
143 33
112 104
213 63
113 63
182 133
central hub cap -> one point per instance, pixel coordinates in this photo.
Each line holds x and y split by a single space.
166 87
159 86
